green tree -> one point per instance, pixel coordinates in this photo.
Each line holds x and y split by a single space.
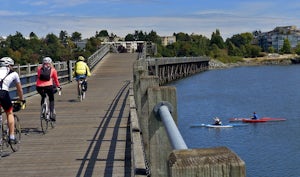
241 39
63 35
32 35
297 49
16 41
129 37
233 50
182 37
271 49
153 37
252 50
286 48
200 45
217 39
102 33
76 36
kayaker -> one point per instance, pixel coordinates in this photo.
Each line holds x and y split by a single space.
217 121
254 116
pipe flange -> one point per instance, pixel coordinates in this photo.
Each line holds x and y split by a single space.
163 103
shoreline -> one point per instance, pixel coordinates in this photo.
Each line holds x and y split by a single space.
280 60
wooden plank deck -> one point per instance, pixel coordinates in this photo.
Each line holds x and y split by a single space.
91 138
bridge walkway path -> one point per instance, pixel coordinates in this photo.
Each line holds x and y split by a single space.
91 137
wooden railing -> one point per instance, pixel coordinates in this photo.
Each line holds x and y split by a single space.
28 73
149 135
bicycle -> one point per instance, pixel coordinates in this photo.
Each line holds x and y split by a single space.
45 115
82 88
4 137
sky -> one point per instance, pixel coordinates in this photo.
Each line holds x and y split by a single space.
165 17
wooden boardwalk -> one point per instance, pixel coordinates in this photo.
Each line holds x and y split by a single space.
91 138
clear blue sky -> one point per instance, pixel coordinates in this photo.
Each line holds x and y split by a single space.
165 17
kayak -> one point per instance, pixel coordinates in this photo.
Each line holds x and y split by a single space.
254 120
217 126
263 119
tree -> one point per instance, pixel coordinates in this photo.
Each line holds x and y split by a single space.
32 35
102 33
297 49
76 36
271 49
182 37
241 39
217 39
129 37
153 37
51 39
63 35
252 50
286 48
233 50
16 41
200 45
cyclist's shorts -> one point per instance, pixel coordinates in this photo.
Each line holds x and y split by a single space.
78 77
5 101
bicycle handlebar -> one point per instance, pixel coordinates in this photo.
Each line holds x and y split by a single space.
59 90
18 104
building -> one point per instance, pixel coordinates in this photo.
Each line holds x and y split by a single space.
128 46
276 37
167 40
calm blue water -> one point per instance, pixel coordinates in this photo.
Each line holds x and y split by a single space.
269 149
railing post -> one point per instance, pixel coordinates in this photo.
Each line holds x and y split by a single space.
159 144
156 67
19 69
28 69
206 162
163 110
70 69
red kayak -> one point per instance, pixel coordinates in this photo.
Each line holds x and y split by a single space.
263 119
254 120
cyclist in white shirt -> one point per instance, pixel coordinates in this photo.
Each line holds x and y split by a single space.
8 76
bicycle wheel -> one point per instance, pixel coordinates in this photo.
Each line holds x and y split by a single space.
15 147
81 94
1 140
52 123
44 121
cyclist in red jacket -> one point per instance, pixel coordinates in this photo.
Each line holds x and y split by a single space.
47 84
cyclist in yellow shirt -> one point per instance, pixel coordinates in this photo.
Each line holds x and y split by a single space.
81 71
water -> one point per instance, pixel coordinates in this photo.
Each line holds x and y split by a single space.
269 149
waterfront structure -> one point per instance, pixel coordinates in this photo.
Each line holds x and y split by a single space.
129 46
166 40
276 37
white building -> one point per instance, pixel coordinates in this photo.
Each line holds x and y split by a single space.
130 46
167 40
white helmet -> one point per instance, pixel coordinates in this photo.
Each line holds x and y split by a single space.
47 60
6 61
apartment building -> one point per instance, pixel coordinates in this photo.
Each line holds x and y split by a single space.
128 46
275 38
166 40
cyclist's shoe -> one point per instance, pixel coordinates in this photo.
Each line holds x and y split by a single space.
53 116
13 141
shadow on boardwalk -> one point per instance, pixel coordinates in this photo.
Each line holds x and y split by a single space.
91 137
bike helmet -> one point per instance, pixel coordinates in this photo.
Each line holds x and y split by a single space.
47 60
6 61
81 58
